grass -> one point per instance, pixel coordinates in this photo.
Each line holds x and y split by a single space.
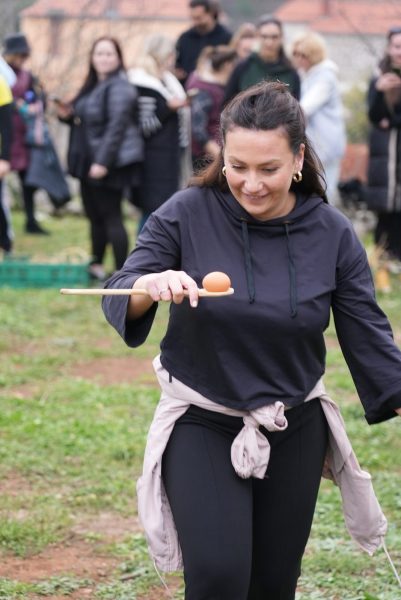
71 449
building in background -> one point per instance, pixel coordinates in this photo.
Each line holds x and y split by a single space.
61 33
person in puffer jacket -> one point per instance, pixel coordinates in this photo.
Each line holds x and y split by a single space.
105 149
260 214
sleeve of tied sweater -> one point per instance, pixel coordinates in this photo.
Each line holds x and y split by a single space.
157 250
365 334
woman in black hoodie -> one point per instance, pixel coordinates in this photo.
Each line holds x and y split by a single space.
258 213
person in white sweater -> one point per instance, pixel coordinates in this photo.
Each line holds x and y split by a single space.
322 105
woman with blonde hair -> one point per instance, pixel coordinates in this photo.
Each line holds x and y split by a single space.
322 105
164 119
244 40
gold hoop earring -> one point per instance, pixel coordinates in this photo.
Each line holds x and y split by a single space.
224 171
297 177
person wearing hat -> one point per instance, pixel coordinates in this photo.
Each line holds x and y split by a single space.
25 91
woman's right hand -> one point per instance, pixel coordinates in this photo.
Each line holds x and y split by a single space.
169 286
166 286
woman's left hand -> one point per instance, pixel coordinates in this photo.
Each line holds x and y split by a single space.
97 171
398 411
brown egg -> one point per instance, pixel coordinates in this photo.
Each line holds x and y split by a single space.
216 282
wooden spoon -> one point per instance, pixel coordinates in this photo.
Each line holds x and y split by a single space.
134 292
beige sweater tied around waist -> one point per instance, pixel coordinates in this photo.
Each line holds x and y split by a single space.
250 453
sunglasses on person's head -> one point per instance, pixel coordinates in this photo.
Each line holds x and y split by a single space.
298 54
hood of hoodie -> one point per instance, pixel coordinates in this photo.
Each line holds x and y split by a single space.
303 206
281 226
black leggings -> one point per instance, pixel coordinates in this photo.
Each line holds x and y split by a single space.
28 196
243 539
103 208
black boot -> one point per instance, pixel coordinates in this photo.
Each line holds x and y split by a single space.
34 227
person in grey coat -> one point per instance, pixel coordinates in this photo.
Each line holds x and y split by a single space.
105 148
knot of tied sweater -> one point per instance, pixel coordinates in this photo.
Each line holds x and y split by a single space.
250 451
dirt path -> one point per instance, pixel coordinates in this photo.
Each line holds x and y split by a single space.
81 556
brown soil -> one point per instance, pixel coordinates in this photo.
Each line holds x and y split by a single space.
79 557
114 370
75 557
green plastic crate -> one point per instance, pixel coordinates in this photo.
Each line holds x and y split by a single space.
22 273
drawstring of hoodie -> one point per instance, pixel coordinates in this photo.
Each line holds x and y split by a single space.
292 273
248 262
249 271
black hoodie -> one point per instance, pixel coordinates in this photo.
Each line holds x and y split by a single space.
265 342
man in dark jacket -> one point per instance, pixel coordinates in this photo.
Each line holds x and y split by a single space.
205 31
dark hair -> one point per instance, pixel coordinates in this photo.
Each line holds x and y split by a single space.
267 19
218 56
385 63
210 6
271 19
91 79
267 106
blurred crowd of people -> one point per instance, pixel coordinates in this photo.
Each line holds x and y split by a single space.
141 133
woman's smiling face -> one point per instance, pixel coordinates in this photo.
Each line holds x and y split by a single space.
105 58
260 166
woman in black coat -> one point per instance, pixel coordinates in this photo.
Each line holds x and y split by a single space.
105 149
383 192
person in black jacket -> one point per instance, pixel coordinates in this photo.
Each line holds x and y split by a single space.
206 31
105 148
260 214
383 191
269 62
